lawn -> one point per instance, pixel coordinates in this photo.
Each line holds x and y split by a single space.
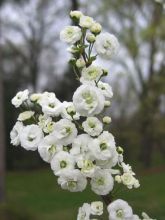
36 196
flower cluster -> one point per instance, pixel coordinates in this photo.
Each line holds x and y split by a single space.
74 137
117 210
78 147
88 210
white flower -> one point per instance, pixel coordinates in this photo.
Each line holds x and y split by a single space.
88 100
97 208
51 106
106 89
71 34
64 132
20 98
68 111
80 147
92 126
48 148
106 45
15 133
126 168
62 161
76 14
96 28
86 21
72 180
119 210
103 147
111 162
30 137
25 115
102 182
90 38
87 167
46 123
91 74
128 179
84 212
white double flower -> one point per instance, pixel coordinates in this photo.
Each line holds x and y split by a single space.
106 45
31 136
103 147
71 34
88 100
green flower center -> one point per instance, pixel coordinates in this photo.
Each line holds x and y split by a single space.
70 32
31 138
92 74
103 146
91 124
120 213
72 184
88 97
51 105
107 44
63 164
68 130
100 181
88 165
52 149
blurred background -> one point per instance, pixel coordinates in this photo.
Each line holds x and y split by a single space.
32 56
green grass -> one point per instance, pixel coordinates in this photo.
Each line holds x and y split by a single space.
36 196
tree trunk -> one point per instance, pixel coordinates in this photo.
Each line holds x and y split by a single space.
74 5
2 146
148 109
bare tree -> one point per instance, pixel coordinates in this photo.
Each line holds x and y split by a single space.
140 30
36 49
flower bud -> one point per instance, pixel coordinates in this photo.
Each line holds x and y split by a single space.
65 148
76 14
72 61
105 72
71 110
120 150
107 120
107 103
90 38
80 63
72 49
118 179
25 115
136 184
96 28
35 97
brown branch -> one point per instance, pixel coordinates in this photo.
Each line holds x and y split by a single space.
107 199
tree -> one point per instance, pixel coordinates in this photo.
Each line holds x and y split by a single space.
31 60
143 49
